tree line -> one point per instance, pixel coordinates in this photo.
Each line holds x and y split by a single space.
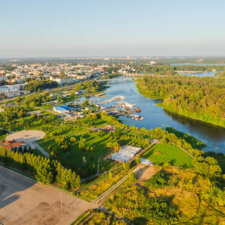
45 170
198 98
165 69
34 86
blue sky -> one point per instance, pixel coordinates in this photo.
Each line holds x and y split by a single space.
111 28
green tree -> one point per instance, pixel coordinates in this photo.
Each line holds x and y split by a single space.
207 166
45 173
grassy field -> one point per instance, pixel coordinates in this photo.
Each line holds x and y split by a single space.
94 190
167 153
98 217
74 157
178 201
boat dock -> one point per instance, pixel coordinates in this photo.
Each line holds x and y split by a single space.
121 108
112 100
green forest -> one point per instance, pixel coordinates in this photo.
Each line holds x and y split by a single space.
194 97
165 69
40 85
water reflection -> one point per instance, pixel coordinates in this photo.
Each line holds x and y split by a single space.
155 116
210 131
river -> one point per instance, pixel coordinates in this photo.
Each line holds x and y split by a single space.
155 116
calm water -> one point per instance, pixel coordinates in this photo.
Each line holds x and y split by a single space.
155 116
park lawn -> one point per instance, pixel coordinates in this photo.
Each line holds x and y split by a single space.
31 123
168 153
37 152
74 157
46 106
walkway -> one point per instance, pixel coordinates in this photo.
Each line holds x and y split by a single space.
101 198
35 145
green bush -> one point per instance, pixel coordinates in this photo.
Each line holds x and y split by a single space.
159 180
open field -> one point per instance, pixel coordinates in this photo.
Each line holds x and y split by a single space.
24 202
167 153
168 202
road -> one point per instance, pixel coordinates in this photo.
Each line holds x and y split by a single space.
24 202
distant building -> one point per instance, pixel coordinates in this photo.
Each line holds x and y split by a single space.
62 109
10 90
107 128
2 72
152 62
61 81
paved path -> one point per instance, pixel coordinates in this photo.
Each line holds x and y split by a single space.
24 201
35 145
102 197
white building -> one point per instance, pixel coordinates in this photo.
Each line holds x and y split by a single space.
61 81
10 90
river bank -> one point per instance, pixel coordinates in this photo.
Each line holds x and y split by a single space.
155 116
164 103
169 110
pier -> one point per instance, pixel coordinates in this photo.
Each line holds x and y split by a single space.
126 108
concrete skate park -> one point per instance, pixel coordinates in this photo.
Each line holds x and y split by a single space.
28 136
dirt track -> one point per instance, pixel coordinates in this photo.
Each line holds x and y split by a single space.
26 202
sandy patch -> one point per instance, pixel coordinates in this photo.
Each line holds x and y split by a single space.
147 172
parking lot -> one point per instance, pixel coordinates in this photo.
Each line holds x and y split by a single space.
26 202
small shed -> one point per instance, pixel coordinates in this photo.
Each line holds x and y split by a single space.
146 162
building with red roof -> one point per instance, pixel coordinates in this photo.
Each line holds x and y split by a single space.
12 144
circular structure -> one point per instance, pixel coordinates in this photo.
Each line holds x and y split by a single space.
27 136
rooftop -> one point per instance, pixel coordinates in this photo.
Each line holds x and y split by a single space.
63 107
11 144
125 153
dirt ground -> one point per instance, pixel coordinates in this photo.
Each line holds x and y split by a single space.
146 172
27 136
26 202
